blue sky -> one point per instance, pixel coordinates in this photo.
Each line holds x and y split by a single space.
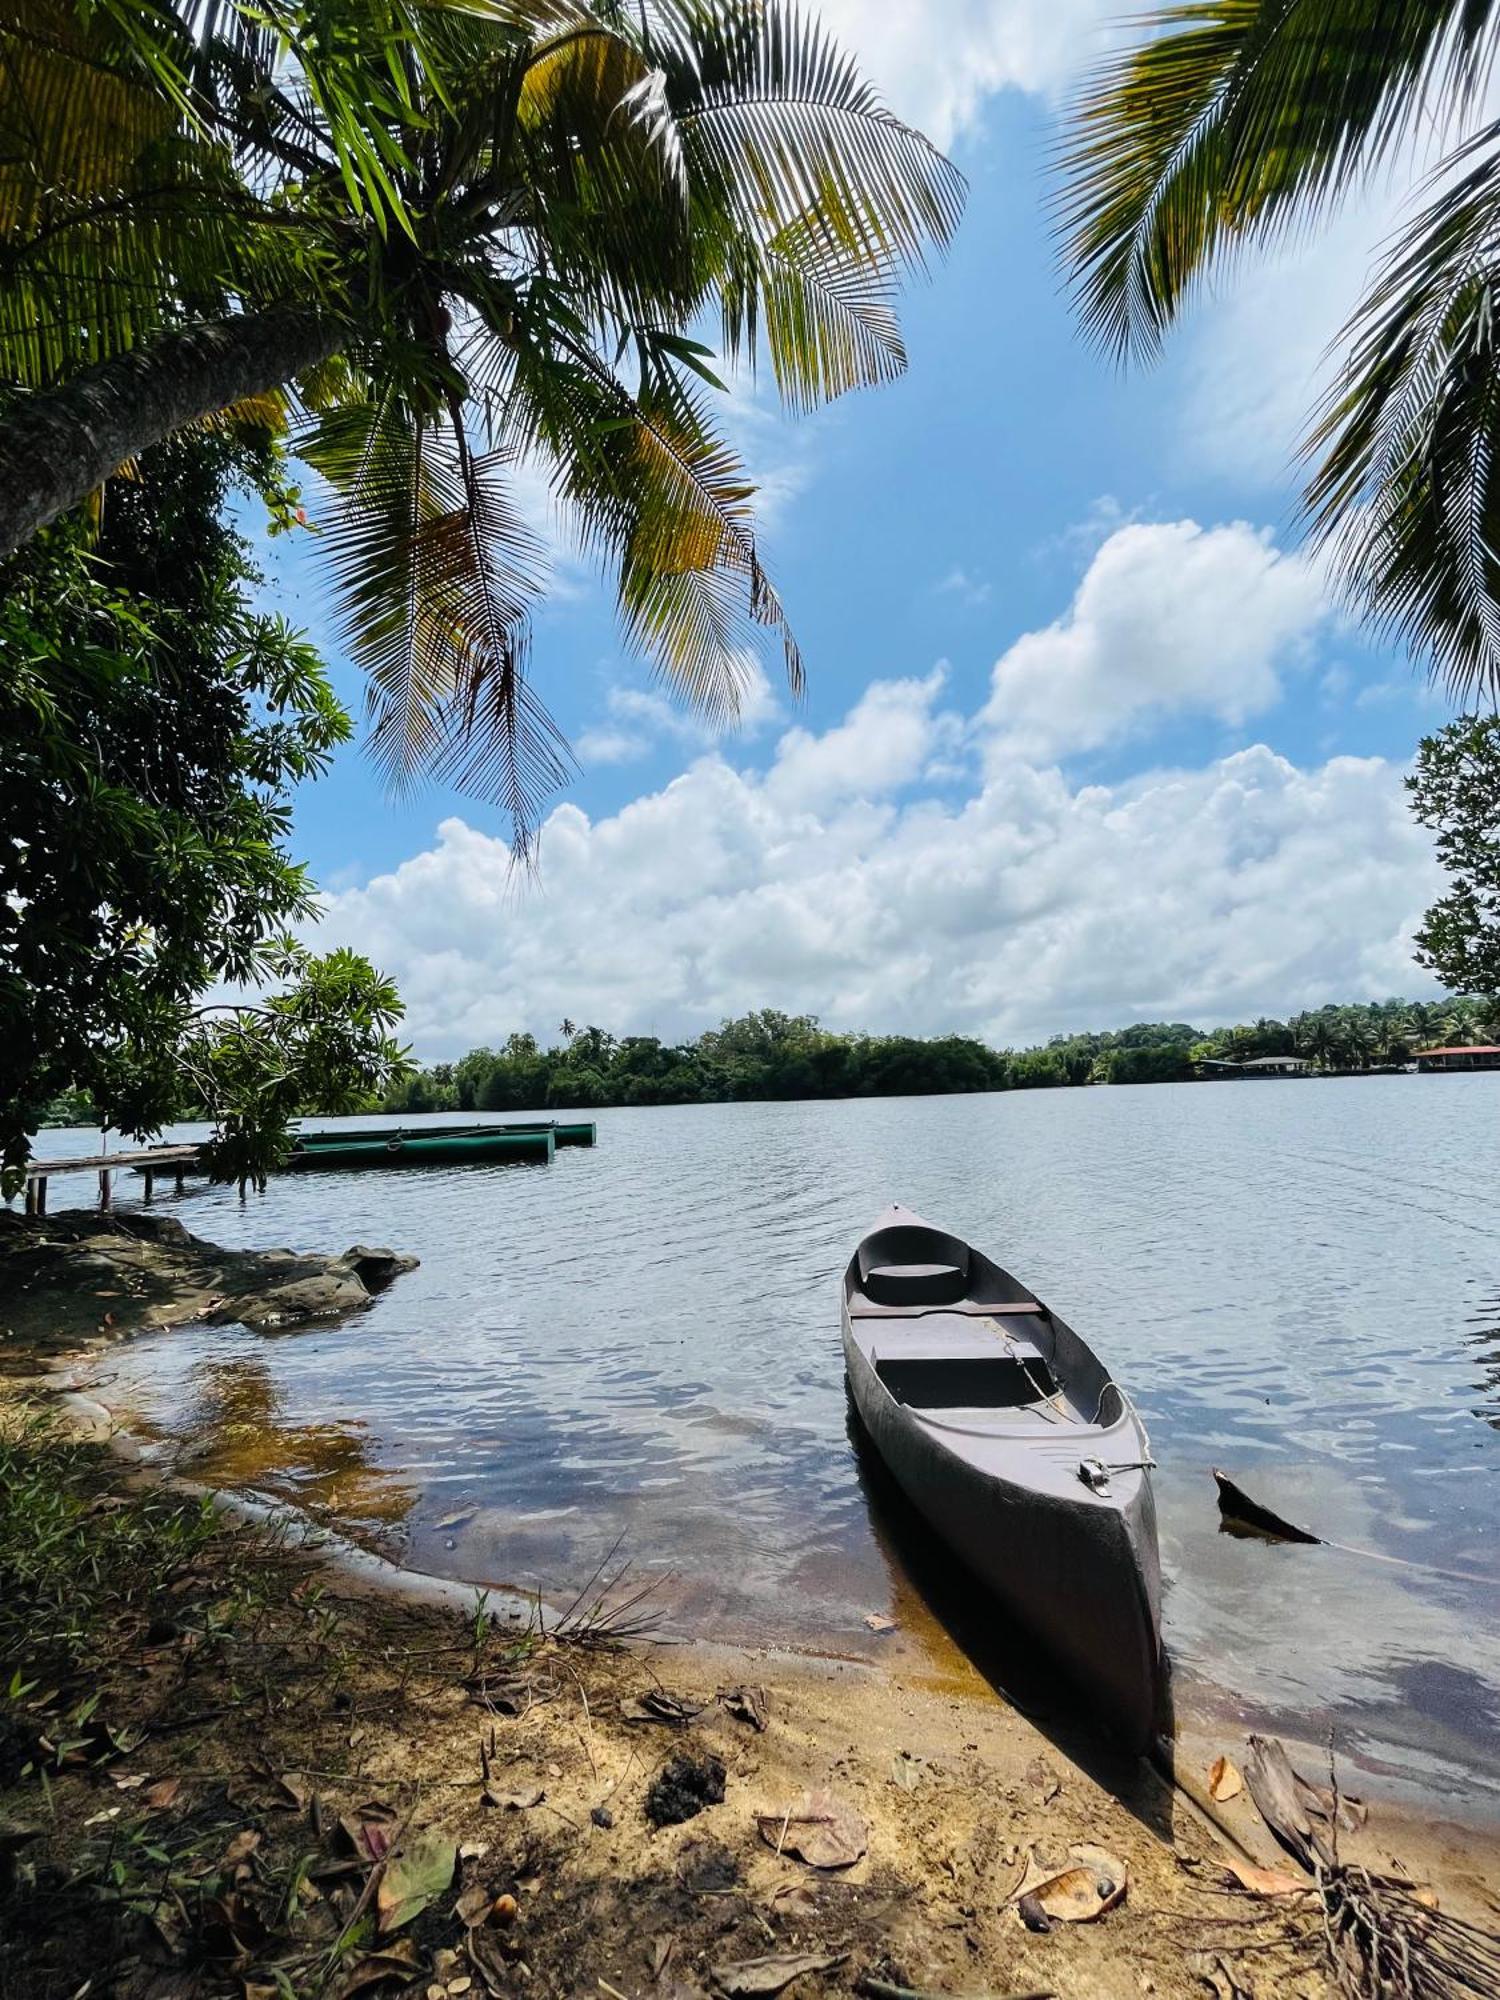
1114 753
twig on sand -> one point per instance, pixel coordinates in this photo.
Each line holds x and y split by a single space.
882 1989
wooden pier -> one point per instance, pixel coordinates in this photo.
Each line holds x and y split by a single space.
178 1161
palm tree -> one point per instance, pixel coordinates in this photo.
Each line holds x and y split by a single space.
1318 1036
1232 121
567 1029
1464 1023
441 244
1395 1036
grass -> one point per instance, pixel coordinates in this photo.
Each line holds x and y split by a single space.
175 1683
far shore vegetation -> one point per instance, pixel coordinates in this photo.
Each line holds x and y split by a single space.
775 1055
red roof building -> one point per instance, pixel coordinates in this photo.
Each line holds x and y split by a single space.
1482 1055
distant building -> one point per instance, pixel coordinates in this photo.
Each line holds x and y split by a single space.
1220 1066
1484 1056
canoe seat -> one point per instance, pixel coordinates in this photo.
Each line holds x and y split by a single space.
993 1382
909 1265
976 1308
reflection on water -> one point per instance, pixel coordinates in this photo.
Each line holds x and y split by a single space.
1296 1282
234 1420
1483 1331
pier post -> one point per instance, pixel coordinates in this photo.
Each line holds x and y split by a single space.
150 1180
105 1197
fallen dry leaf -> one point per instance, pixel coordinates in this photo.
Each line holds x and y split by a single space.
878 1622
1263 1881
771 1975
513 1801
1090 1882
415 1875
1427 1897
394 1961
1224 1780
240 1848
656 1705
473 1906
659 1956
795 1899
162 1793
747 1704
293 1787
1078 1895
823 1831
370 1839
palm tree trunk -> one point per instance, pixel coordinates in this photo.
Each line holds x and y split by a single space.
57 445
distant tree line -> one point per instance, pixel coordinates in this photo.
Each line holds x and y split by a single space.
774 1055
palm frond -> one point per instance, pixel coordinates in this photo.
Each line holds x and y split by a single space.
665 502
1407 491
830 324
1229 119
74 114
779 127
435 574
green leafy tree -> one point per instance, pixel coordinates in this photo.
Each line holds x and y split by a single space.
155 723
323 1038
1455 791
1234 122
444 241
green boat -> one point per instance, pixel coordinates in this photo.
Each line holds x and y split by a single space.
582 1133
399 1146
579 1132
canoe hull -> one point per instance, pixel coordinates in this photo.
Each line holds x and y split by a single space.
1076 1566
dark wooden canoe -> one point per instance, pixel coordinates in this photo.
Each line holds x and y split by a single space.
1009 1435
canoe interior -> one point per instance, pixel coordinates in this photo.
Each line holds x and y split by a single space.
945 1329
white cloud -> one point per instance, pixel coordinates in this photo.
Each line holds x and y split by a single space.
970 590
886 742
1261 352
936 63
1171 618
637 720
1030 906
605 745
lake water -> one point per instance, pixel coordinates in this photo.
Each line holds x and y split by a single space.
1297 1281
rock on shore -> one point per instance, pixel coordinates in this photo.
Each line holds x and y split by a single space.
70 1278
